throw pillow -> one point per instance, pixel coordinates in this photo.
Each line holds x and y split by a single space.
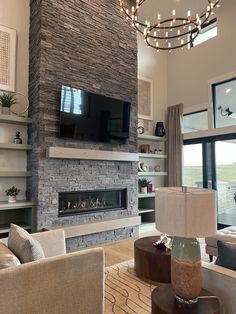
7 258
226 254
23 245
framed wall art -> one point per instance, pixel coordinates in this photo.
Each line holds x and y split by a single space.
7 58
145 98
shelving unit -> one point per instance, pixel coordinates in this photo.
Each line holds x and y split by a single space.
10 119
12 146
21 211
7 174
153 174
146 201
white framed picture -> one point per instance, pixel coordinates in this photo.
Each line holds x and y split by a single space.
7 58
145 98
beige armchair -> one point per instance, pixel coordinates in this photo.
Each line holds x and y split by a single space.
60 283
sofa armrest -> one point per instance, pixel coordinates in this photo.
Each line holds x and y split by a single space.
53 242
221 282
71 283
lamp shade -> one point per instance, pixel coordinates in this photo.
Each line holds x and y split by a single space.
186 212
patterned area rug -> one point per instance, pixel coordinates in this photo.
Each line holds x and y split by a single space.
125 292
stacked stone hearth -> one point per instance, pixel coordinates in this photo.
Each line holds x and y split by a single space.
84 44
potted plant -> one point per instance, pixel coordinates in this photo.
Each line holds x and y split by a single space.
6 101
143 184
11 193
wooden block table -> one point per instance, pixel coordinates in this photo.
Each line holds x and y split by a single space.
164 302
151 264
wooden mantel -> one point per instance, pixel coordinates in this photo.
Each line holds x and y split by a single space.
90 154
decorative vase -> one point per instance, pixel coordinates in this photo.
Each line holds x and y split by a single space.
143 189
186 269
11 199
160 130
5 110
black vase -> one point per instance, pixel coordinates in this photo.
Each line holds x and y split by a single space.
160 130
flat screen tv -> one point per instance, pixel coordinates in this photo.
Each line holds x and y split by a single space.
90 117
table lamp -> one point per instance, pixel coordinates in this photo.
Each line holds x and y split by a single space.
186 213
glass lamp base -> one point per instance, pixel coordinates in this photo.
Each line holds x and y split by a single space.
186 269
186 301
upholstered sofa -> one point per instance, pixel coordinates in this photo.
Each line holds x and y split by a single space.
227 234
222 283
60 283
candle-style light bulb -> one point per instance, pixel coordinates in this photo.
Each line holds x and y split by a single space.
173 15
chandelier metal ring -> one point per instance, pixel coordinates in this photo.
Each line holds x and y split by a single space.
172 33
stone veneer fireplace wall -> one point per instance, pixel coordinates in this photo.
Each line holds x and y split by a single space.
88 45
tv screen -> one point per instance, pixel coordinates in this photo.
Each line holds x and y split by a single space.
91 117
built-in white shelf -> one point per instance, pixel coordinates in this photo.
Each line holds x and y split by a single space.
155 156
6 174
12 146
146 195
143 211
152 173
90 154
16 205
151 138
6 118
6 228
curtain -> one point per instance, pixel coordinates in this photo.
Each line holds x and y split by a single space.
174 145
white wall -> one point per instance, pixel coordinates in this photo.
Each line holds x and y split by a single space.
189 71
15 14
153 65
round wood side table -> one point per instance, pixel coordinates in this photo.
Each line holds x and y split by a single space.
151 264
164 302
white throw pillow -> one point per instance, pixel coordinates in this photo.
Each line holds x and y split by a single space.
23 245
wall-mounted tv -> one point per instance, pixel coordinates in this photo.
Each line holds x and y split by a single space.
87 116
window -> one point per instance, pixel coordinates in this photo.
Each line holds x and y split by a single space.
224 103
195 121
211 163
207 32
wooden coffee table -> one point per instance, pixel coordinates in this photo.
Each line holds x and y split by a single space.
164 302
151 264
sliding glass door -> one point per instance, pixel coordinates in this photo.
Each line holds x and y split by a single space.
211 163
225 157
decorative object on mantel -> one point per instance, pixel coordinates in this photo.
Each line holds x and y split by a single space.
145 148
17 139
164 243
145 98
168 31
143 184
7 58
6 101
186 213
20 107
12 193
160 130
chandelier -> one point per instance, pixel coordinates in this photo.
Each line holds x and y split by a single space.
171 33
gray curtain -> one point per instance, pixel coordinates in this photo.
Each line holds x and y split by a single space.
174 145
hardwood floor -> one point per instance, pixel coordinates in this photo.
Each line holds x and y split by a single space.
123 250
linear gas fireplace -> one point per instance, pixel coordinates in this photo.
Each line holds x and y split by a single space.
80 202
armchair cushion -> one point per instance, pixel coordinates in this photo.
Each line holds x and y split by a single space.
22 244
226 255
7 258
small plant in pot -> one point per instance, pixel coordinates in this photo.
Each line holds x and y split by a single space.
12 193
143 184
6 101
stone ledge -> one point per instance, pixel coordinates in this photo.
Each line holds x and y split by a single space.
95 227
